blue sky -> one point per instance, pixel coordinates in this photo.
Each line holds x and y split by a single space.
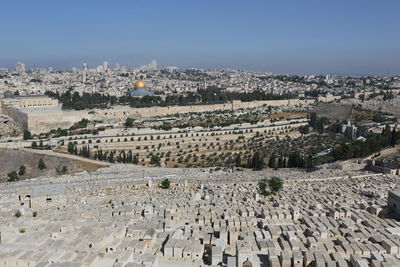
309 36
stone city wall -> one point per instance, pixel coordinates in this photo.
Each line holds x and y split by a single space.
162 111
41 121
44 119
44 122
20 118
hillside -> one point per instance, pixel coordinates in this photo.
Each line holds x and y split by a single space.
11 160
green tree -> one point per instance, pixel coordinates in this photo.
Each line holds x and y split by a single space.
304 129
387 136
27 135
129 122
71 147
41 164
395 137
272 161
165 184
155 160
64 169
275 184
12 176
313 119
238 161
18 214
262 187
22 170
309 162
34 145
257 161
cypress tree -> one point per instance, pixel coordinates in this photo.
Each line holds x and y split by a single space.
238 161
257 161
394 138
387 136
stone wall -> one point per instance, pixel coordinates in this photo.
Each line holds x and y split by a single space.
162 111
20 118
44 122
43 119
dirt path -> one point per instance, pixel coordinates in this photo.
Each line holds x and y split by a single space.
68 156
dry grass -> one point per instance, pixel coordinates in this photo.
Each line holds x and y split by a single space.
88 166
288 115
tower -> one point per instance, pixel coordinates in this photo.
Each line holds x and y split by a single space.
105 66
84 72
153 64
20 68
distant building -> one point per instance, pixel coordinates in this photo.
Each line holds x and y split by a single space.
105 66
349 130
28 101
20 67
151 66
328 97
171 68
140 90
385 166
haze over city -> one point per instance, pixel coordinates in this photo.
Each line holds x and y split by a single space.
303 37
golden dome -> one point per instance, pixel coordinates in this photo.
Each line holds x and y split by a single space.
140 84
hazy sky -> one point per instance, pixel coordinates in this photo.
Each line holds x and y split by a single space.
299 36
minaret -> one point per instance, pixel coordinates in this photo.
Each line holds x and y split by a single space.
84 72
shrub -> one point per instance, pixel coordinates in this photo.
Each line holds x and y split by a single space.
275 184
129 122
22 170
12 176
165 184
155 160
34 144
27 135
41 164
64 169
262 187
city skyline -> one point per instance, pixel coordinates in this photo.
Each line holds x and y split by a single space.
310 38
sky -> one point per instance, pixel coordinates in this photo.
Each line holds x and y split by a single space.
357 37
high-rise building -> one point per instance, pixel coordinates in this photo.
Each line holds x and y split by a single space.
84 70
105 66
153 64
171 68
99 68
20 68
